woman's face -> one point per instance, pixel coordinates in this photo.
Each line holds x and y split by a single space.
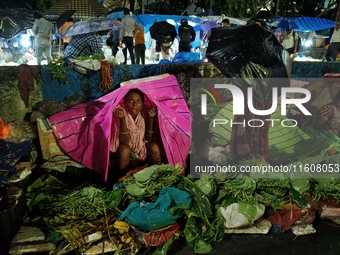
133 103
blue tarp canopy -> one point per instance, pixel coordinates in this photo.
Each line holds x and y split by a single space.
148 19
308 24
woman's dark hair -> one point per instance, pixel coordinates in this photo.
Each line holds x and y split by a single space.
136 91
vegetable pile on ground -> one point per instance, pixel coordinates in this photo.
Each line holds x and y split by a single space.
152 208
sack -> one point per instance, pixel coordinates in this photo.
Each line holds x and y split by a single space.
185 37
86 67
120 56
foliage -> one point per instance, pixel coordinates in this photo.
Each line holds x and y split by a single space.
235 8
57 68
44 5
148 181
86 202
97 56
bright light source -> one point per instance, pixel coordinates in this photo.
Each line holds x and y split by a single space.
25 41
308 43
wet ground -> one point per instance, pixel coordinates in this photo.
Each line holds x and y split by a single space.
324 242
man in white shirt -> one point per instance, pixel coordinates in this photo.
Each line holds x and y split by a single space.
42 31
333 48
289 41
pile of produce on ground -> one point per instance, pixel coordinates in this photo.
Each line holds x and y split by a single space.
150 209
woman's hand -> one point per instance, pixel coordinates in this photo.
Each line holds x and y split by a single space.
119 113
152 112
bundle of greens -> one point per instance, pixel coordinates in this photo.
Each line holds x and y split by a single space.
203 224
326 188
87 202
148 181
240 189
42 193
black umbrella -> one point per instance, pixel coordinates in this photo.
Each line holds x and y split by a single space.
64 17
248 52
252 54
159 30
231 49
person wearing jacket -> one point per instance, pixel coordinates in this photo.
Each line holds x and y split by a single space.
186 35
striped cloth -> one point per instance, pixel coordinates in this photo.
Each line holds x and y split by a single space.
85 9
84 131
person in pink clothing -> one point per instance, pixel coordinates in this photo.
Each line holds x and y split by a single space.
135 132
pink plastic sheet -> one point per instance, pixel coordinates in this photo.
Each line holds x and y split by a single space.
84 131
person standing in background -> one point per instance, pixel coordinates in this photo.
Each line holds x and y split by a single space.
139 46
126 35
113 41
63 29
42 31
333 49
186 34
289 41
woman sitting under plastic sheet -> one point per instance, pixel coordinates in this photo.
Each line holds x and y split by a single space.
86 131
133 139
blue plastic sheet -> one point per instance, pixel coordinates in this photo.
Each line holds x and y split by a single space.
10 153
187 57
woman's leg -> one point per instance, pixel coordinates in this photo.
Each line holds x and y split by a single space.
124 153
154 152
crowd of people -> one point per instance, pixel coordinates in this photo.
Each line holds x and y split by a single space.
130 43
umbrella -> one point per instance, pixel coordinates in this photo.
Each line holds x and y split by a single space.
85 9
64 17
232 49
93 25
284 23
15 21
162 28
252 54
207 26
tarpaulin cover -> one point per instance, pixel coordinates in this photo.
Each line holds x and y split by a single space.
15 21
148 19
10 153
308 24
84 131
